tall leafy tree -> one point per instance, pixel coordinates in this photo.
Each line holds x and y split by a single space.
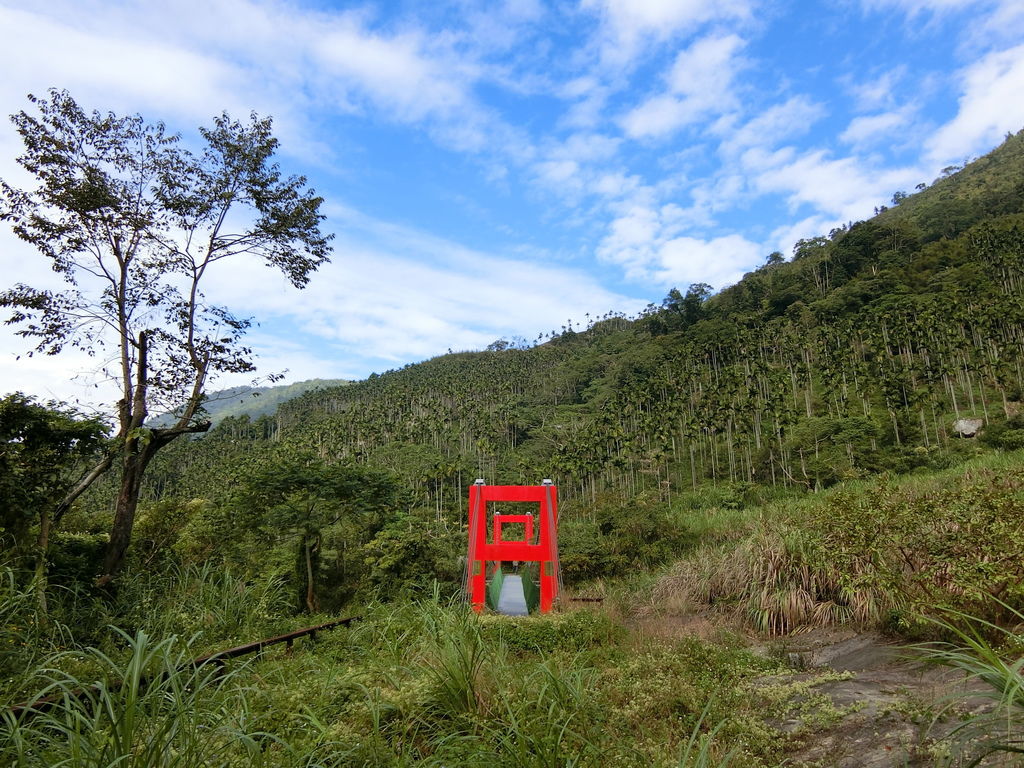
686 310
292 497
134 223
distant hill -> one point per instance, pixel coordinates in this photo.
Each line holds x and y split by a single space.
253 401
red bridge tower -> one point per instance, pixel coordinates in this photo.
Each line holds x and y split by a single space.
544 551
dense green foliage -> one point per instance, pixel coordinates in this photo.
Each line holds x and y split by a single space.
984 651
883 553
134 223
854 357
410 684
42 450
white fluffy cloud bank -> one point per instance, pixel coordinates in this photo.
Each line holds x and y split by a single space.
991 104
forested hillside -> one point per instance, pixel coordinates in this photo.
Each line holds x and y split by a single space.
853 357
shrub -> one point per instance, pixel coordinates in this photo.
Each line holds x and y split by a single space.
878 554
572 631
206 599
619 538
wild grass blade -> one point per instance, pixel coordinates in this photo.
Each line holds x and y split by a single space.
978 653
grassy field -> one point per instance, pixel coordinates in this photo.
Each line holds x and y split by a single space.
423 681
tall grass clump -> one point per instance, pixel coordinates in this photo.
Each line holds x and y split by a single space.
25 634
433 684
546 719
774 581
147 708
992 656
436 684
212 600
674 702
456 660
697 752
879 554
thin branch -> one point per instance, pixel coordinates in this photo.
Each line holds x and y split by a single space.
82 486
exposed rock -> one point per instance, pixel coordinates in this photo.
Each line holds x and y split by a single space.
968 427
897 712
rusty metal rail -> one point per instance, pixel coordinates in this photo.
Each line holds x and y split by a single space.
219 658
242 650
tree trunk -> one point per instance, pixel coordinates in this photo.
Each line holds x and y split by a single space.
309 546
81 487
42 547
133 467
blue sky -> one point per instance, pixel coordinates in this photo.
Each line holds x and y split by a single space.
494 169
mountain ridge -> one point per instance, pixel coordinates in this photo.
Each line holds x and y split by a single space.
252 401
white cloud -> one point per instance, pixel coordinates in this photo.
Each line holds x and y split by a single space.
588 147
579 166
720 261
501 26
645 242
296 357
841 188
699 85
616 185
562 176
587 94
127 73
986 23
629 23
393 294
394 72
790 119
660 116
706 68
884 127
785 237
632 240
401 294
913 7
877 93
191 59
69 376
579 86
990 105
1004 26
524 10
569 167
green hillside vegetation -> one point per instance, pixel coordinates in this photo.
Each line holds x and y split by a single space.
778 458
857 354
